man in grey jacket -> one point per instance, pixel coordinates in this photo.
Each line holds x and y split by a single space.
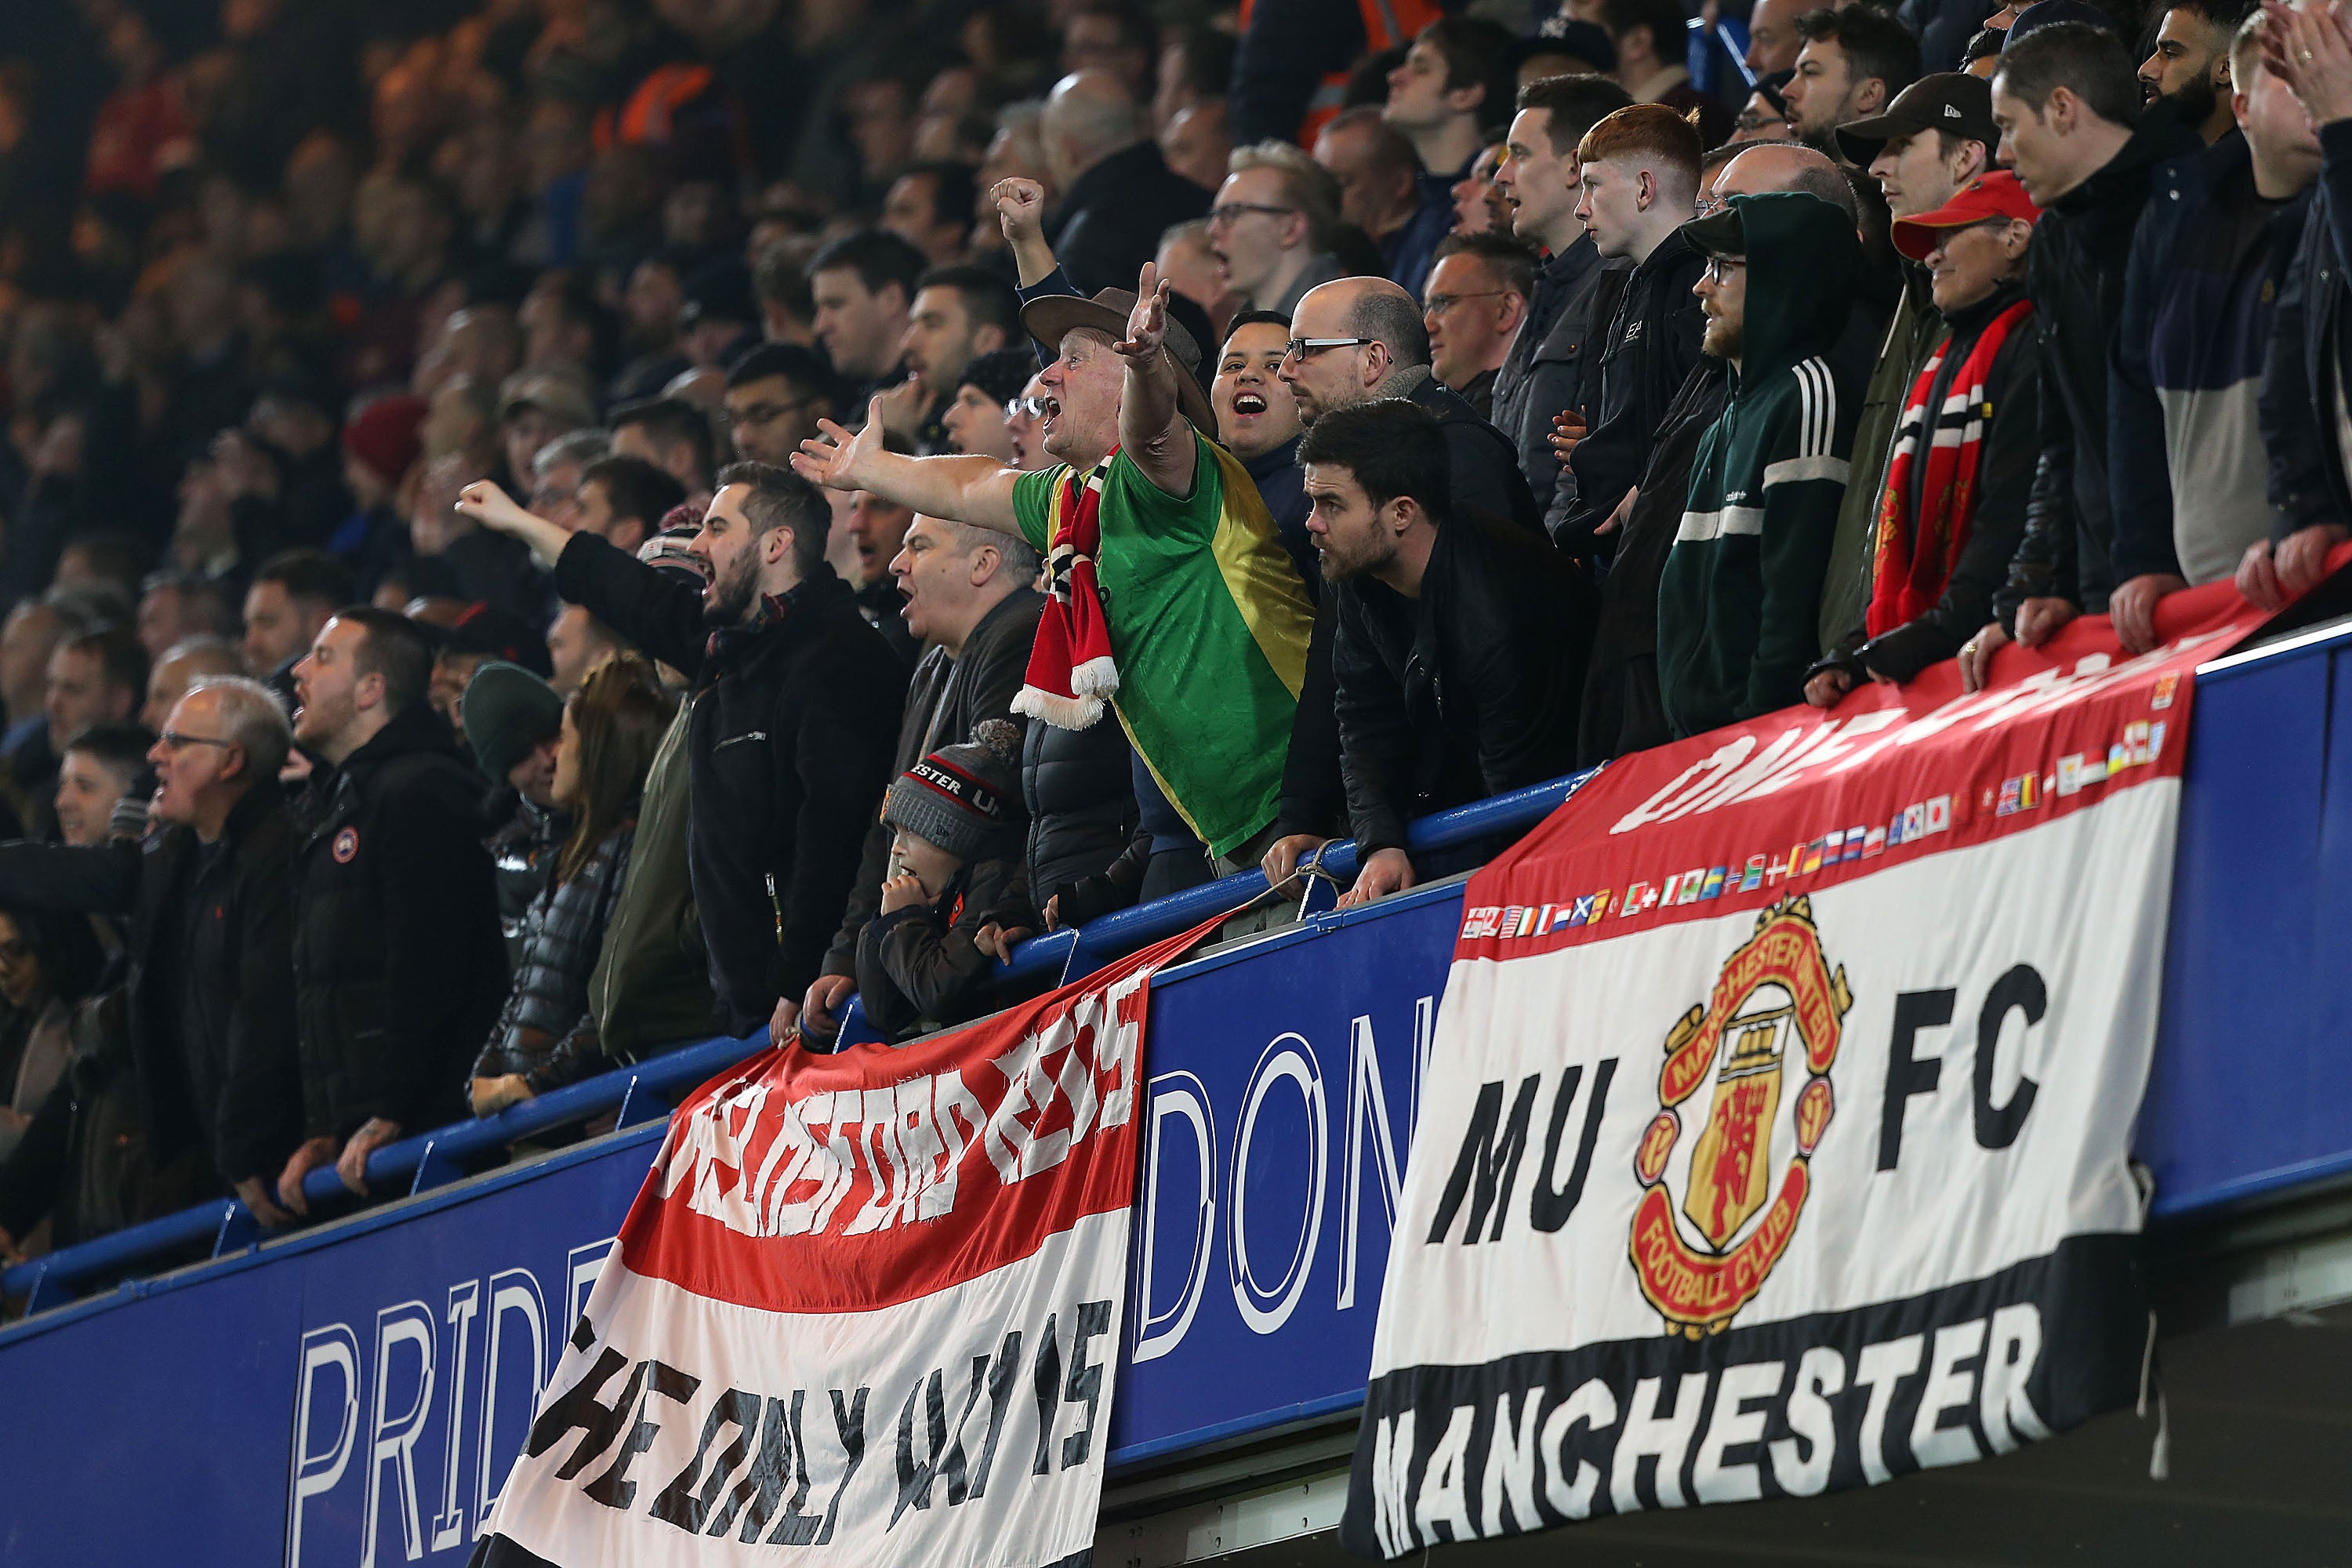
969 602
1553 365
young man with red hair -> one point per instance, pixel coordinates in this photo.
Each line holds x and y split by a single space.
1640 174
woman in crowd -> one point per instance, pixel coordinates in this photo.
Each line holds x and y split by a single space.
612 726
1954 505
48 962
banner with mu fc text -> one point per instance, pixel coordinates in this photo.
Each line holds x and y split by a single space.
1781 1144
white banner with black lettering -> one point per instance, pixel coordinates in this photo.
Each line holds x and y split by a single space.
1776 1136
864 1312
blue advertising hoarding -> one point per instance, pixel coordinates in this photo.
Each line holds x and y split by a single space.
358 1394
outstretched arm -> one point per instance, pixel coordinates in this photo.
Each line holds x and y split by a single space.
1152 430
495 509
977 490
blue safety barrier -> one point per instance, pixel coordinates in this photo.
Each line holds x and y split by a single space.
371 1380
650 1089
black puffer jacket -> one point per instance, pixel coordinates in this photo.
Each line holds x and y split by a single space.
399 967
788 752
561 937
2074 275
211 1017
1466 691
523 842
1082 810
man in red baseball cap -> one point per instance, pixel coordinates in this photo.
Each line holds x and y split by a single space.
1952 508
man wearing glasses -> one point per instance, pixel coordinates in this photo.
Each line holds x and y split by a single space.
1267 227
1740 593
211 970
1476 299
774 397
1362 338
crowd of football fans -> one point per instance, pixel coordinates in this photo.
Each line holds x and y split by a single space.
533 532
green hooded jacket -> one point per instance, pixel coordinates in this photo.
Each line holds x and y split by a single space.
1739 599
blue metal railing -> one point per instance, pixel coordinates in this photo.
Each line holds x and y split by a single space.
651 1089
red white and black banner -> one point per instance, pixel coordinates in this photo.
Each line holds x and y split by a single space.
1782 1139
866 1307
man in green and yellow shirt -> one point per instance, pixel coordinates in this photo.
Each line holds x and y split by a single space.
1208 621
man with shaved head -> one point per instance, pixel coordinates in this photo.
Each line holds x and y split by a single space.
1623 711
1118 195
1356 339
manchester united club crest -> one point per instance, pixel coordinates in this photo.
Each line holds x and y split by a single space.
1766 1038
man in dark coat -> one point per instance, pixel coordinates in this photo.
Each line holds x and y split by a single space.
796 703
210 970
2067 101
1641 174
969 598
399 967
1460 644
1119 195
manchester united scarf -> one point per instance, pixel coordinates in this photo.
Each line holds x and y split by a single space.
1915 555
1071 670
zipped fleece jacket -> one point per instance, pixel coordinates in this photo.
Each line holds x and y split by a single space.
1739 600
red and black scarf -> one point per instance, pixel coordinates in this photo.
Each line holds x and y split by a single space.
1915 562
1070 665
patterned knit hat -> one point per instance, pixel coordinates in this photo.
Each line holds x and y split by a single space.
666 551
961 798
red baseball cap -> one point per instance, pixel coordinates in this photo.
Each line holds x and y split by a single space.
1990 195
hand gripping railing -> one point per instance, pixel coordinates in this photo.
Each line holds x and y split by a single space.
648 1089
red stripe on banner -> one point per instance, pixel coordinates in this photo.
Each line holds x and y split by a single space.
1711 825
800 1182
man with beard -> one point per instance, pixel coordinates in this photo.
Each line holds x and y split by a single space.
1460 641
2186 456
1852 64
1739 599
398 966
795 710
2188 68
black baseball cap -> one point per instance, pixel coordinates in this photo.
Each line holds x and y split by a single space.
1721 233
1948 100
